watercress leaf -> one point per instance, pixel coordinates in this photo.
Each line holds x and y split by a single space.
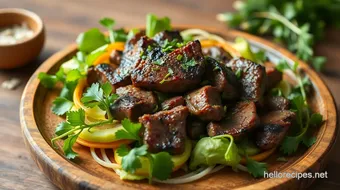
162 165
61 106
67 147
107 22
90 40
76 118
62 128
48 81
131 162
257 169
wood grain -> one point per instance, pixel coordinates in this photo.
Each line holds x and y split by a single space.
65 19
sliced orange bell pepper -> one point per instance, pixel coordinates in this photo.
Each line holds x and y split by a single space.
259 157
114 144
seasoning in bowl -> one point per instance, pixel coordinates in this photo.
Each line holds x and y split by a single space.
15 33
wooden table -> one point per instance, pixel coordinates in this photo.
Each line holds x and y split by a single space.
64 20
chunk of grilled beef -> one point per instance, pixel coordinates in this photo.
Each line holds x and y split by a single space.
273 103
178 71
196 128
167 35
273 128
217 53
132 103
136 50
240 120
116 57
165 130
173 102
273 77
222 78
253 77
205 103
101 73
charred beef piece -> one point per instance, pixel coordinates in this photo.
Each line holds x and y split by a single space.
222 78
133 103
173 102
136 50
167 35
217 53
178 71
240 120
101 73
165 130
205 103
273 103
253 77
273 77
274 127
196 128
116 57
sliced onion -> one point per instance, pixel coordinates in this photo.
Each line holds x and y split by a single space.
103 163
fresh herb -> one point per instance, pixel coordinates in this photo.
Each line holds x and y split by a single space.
304 117
159 61
255 168
170 73
74 125
160 163
238 73
298 24
155 25
114 35
131 130
61 105
132 33
99 95
187 64
282 159
90 40
179 57
169 46
48 81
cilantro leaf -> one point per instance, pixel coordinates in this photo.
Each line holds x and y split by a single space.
90 40
62 128
308 141
67 147
257 169
94 93
61 105
162 165
48 81
131 130
290 144
76 118
131 162
123 150
107 88
187 64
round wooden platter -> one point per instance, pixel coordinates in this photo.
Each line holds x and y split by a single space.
38 124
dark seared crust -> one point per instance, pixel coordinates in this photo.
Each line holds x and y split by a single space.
173 102
217 53
116 57
135 48
133 103
253 78
222 78
150 75
241 119
165 130
196 128
101 73
273 103
167 35
273 77
270 136
205 103
273 128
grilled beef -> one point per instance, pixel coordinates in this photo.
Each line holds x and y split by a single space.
273 128
165 130
101 73
133 103
273 103
217 53
168 36
273 77
173 102
136 50
205 103
253 77
116 57
240 120
222 78
178 71
196 128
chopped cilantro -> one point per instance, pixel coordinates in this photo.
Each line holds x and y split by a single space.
179 57
187 64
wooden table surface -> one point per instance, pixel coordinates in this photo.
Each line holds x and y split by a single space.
64 20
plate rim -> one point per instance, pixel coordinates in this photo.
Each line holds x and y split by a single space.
52 163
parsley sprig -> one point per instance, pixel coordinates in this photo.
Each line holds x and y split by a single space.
304 117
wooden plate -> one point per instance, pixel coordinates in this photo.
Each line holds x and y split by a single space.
38 124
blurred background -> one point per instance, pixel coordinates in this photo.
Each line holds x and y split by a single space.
64 20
